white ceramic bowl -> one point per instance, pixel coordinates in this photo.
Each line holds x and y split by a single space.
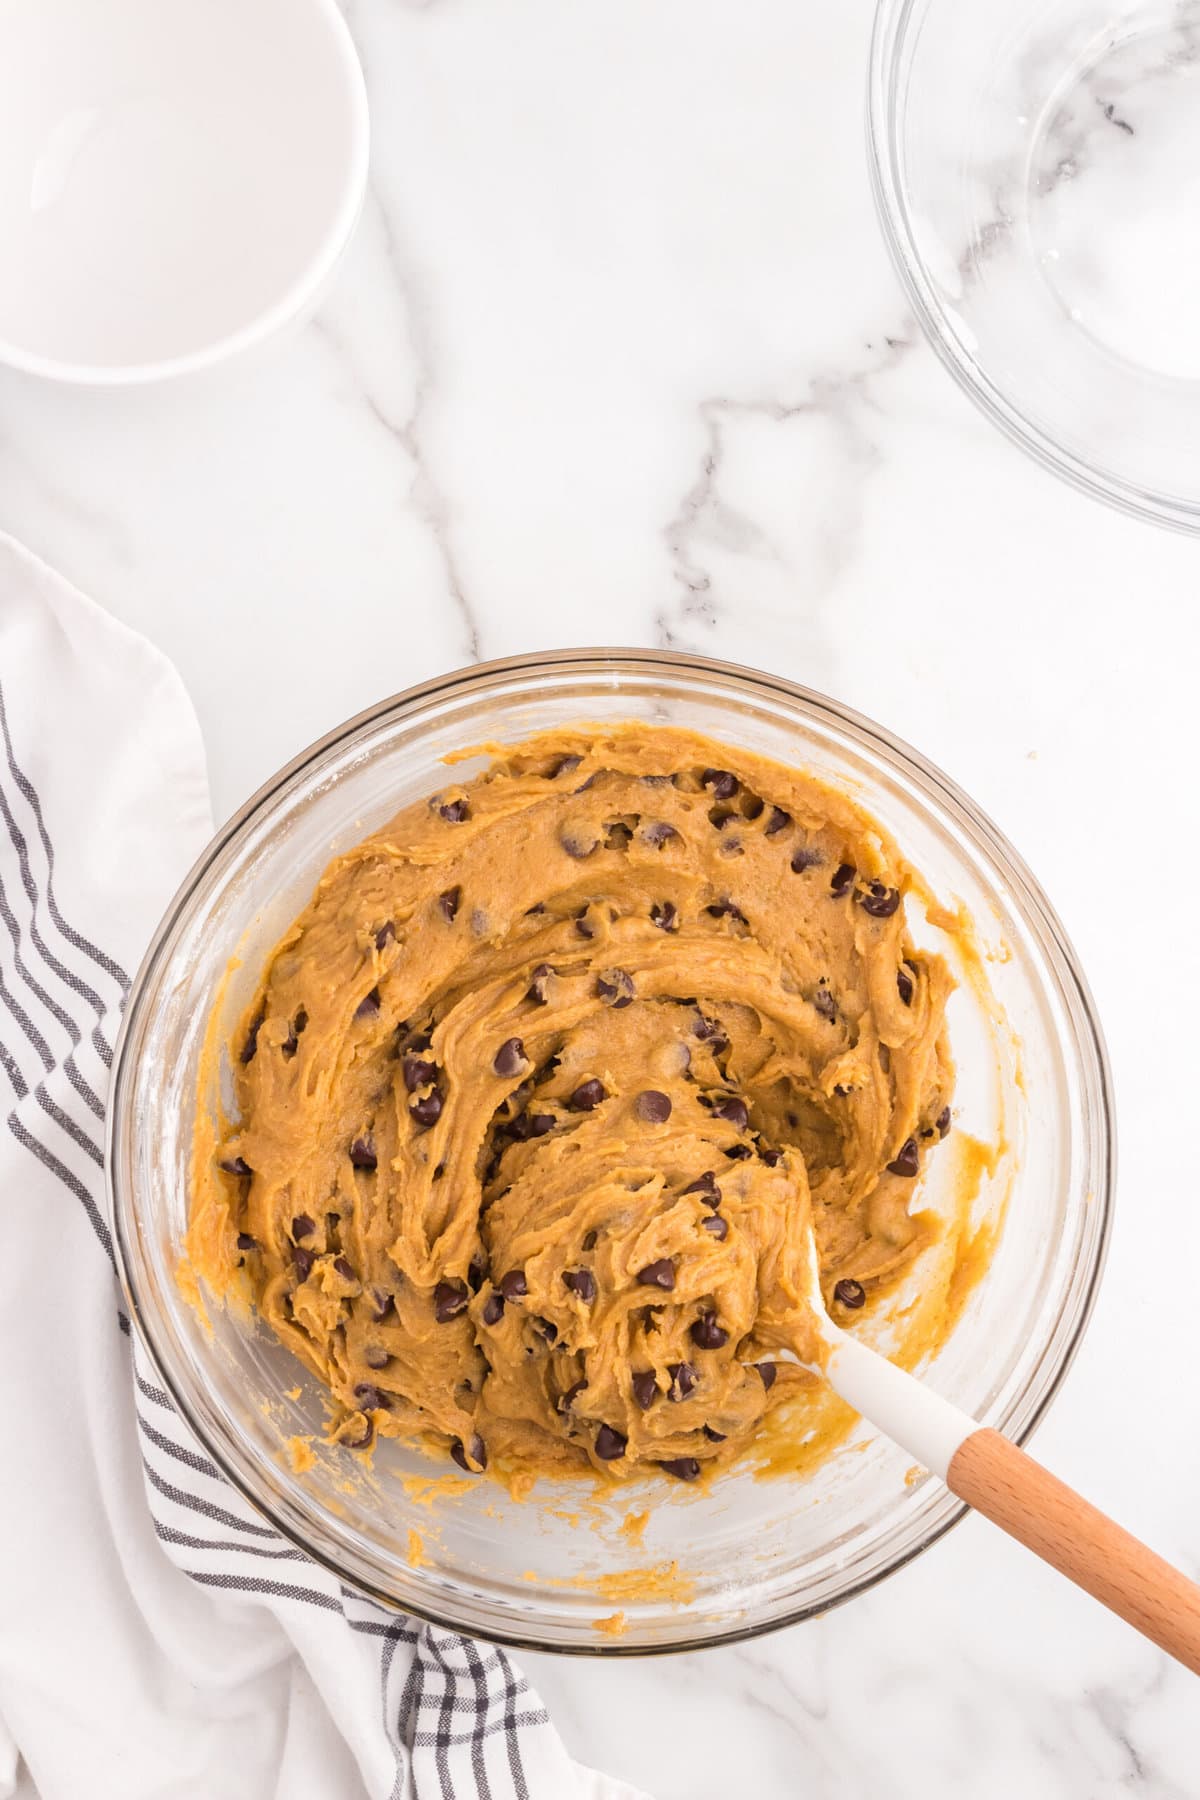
177 178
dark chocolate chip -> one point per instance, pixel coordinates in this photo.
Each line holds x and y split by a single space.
510 1058
449 902
660 1274
725 909
610 1444
235 1165
645 1388
717 1226
778 821
581 1282
449 1299
564 766
879 901
721 783
428 1110
824 1003
246 1242
302 1226
513 1285
805 858
577 845
587 1095
615 988
493 1309
850 1293
345 1269
536 991
382 1302
707 1334
546 1328
291 1043
683 1380
904 985
418 1072
767 1372
907 1161
652 1106
478 1454
664 915
385 935
589 1242
369 1396
942 1122
583 927
714 1437
659 833
739 1152
303 1261
368 1006
531 1125
376 1357
455 811
710 1032
843 879
565 1401
683 1468
362 1152
772 1158
707 1187
363 1440
734 1110
251 1043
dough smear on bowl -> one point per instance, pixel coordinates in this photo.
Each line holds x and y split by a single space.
536 1095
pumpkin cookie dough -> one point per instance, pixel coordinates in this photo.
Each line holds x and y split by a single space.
537 1093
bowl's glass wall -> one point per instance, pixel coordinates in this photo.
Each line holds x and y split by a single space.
1036 168
756 1552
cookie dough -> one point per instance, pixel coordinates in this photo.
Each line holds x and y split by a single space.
536 1095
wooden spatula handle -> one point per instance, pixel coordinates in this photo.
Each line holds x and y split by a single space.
1053 1521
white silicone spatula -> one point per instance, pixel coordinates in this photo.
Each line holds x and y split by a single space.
1015 1492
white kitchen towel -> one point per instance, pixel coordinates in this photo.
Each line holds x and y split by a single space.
158 1641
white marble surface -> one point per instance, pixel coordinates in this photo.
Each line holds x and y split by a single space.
617 356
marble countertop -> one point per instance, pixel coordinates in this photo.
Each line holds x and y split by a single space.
617 356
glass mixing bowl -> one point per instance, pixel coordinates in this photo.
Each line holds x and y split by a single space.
750 1553
1036 165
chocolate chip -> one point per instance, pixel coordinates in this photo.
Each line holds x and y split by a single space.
904 985
879 901
418 1072
493 1309
449 902
385 935
850 1293
767 1372
565 1401
583 926
564 766
706 1186
376 1357
251 1043
772 1158
907 1161
246 1242
362 1441
652 1106
428 1110
455 811
478 1454
645 1388
823 1002
362 1152
510 1058
581 1282
576 844
778 821
589 1242
734 1110
660 1274
843 879
714 1437
536 991
235 1165
615 988
739 1152
345 1269
513 1285
303 1261
664 915
683 1380
805 859
531 1125
587 1095
722 784
302 1226
382 1302
368 1006
942 1122
610 1444
725 909
715 1225
710 1032
683 1468
707 1334
369 1396
291 1043
659 833
449 1299
546 1328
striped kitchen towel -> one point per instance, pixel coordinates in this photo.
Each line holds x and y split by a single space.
157 1638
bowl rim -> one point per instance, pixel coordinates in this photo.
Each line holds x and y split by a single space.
603 659
303 290
892 22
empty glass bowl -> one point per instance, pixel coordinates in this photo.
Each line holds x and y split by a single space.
749 1554
1036 165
